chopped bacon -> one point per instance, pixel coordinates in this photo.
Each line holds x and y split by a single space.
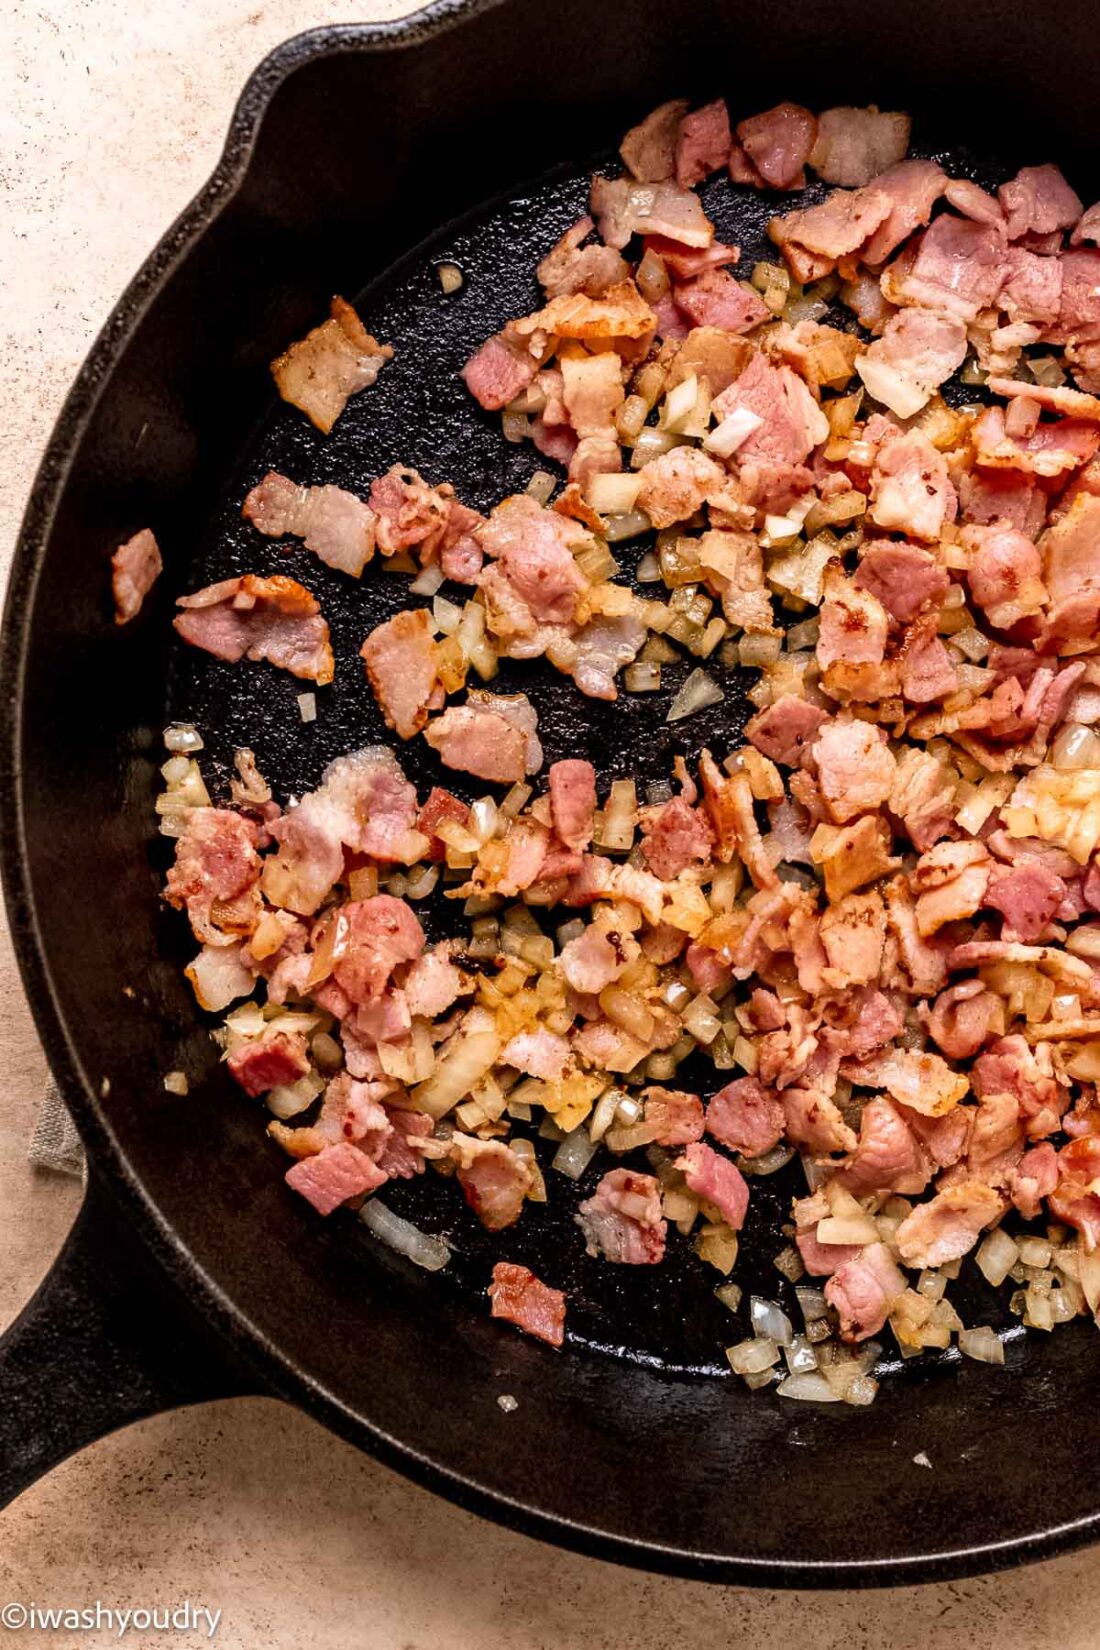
746 1117
974 202
1032 292
543 1054
492 736
1028 897
853 623
592 393
603 646
532 547
855 145
595 959
401 661
265 1062
572 786
1052 398
272 619
863 1291
834 229
910 489
785 732
959 267
676 484
519 1297
816 1122
649 149
963 1018
495 1180
903 577
675 836
683 263
1070 549
216 863
433 984
573 267
703 143
778 143
1004 574
374 936
677 1117
1034 1178
792 424
717 1181
622 1220
855 766
715 299
949 1226
323 370
1038 201
499 371
622 208
1049 451
1078 316
888 1157
729 807
334 524
135 568
919 349
334 1175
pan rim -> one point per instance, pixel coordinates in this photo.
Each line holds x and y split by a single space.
108 1153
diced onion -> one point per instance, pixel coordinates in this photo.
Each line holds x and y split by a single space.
182 737
575 1153
626 526
307 707
652 444
770 1321
996 1256
982 1344
732 432
758 650
450 277
698 691
1075 747
810 1387
752 1357
541 486
642 678
176 1082
446 615
613 495
432 1253
428 581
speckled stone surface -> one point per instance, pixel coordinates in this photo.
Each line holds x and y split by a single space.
111 115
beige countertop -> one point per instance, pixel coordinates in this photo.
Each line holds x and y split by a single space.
111 115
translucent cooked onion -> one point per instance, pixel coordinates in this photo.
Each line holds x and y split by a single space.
768 1162
732 432
651 444
182 736
758 651
626 526
541 486
982 1344
770 1321
698 691
446 615
810 1387
575 1153
432 1253
996 1256
428 581
450 277
642 678
1075 747
752 1357
648 570
613 495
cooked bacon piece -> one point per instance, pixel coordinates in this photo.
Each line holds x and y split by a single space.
677 483
540 1053
918 351
959 267
621 313
717 1181
334 1175
786 731
715 299
1053 398
918 1079
813 1120
703 143
532 547
1049 451
411 513
677 1116
216 863
1079 305
519 1297
1009 1066
853 932
402 1155
922 798
1028 897
834 229
1088 227
821 1260
649 149
729 807
853 623
746 1117
499 371
792 423
495 1180
684 263
401 660
1074 1200
877 1021
742 170
855 766
927 669
778 143
990 496
260 619
573 801
948 1227
1004 574
888 1157
910 489
1033 1179
903 577
1038 201
963 1018
374 936
323 370
433 983
973 202
863 1291
675 836
622 208
734 567
1071 570
950 882
592 392
334 524
595 959
135 568
855 145
996 1140
603 646
491 736
571 267
622 1220
1032 291
924 961
265 1062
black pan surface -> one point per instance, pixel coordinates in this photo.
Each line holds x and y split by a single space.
634 1442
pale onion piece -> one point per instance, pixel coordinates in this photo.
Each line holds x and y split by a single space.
450 277
716 1244
812 1303
701 1020
1088 1274
752 1357
697 692
769 1321
1075 747
679 404
642 678
604 1114
758 650
894 388
574 1154
801 574
803 635
800 1357
432 1253
290 1099
541 486
483 818
182 737
462 1062
176 1082
730 1295
996 1256
421 881
1061 808
218 977
972 643
1085 941
1047 370
428 581
652 444
446 615
778 529
626 526
327 1052
768 1163
307 707
981 800
613 495
810 1387
859 1229
732 432
515 426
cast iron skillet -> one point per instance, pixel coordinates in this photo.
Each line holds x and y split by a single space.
191 1272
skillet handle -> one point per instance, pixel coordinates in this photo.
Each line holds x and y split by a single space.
107 1339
